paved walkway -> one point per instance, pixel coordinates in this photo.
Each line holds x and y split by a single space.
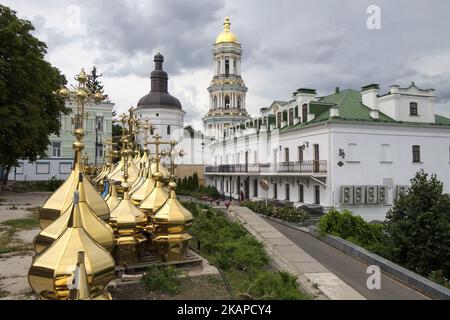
347 268
313 276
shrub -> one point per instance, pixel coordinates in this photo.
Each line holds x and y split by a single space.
275 285
165 279
418 227
283 212
350 227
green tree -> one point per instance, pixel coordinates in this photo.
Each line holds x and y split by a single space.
94 84
195 183
29 111
418 227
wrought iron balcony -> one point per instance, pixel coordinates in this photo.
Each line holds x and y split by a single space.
309 166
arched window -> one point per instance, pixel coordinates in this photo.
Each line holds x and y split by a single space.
227 102
413 110
304 113
291 116
227 68
239 102
168 129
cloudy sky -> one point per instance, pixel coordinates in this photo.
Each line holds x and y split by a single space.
287 45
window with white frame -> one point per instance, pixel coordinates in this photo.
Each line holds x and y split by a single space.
56 149
99 123
99 151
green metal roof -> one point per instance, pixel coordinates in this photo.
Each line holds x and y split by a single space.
351 108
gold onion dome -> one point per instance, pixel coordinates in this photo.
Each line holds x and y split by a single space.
144 189
125 217
226 35
100 231
169 227
105 171
133 171
112 200
51 272
165 173
61 199
128 223
173 213
156 198
139 180
144 159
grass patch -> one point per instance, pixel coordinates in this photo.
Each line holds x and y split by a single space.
242 258
50 185
4 249
22 224
164 279
10 227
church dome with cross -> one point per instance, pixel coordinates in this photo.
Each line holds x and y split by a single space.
227 91
164 111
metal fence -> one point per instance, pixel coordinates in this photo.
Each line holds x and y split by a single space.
309 166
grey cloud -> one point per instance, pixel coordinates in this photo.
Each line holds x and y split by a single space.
287 44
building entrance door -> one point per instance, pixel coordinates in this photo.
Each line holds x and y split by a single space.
247 187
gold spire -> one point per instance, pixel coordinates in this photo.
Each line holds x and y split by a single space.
100 231
116 174
61 199
80 290
171 220
226 35
158 196
51 271
128 223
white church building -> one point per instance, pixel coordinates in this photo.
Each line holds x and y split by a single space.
354 149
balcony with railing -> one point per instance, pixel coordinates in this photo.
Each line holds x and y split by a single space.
307 167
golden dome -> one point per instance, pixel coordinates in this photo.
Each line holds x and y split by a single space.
139 180
51 272
95 227
173 214
155 200
126 219
112 198
144 189
61 199
226 35
169 228
165 173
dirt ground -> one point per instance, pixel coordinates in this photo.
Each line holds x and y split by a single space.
206 287
15 262
16 254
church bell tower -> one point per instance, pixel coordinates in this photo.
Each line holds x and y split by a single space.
227 90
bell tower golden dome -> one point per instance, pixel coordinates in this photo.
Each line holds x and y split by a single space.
226 35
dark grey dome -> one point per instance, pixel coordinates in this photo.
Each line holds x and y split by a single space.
159 97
